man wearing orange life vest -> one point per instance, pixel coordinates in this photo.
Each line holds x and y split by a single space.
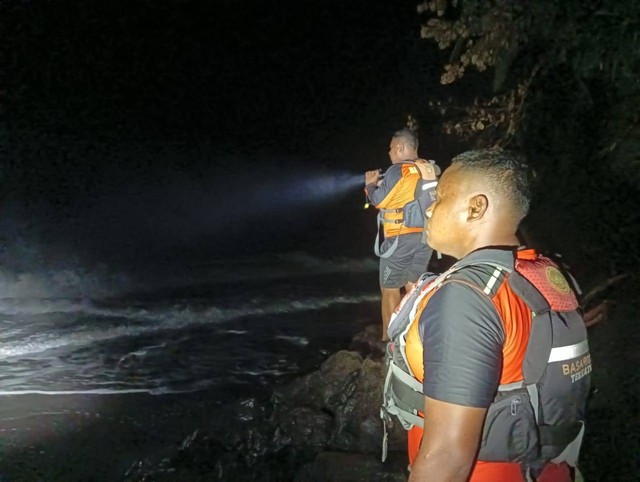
404 253
466 349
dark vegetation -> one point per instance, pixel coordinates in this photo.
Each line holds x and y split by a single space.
558 81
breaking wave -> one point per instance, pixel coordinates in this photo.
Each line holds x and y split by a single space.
131 321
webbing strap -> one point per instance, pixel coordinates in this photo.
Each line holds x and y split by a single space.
385 436
387 381
507 387
408 419
388 252
535 399
376 245
405 378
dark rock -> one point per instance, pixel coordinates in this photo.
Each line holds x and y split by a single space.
333 412
358 423
304 427
240 422
369 342
328 388
351 390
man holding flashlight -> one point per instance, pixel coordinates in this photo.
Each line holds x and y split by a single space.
402 197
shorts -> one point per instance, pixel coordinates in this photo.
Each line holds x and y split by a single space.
407 263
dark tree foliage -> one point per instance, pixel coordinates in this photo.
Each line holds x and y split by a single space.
557 79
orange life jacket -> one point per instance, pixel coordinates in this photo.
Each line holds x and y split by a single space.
397 206
545 338
517 328
408 195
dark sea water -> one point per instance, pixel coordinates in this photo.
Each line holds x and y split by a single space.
235 326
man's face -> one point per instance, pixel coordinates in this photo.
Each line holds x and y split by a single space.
396 150
447 226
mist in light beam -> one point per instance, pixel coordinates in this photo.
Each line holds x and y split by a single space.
305 190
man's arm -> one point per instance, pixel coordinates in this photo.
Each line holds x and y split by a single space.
450 443
381 193
462 335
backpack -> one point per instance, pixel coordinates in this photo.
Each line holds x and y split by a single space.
413 213
537 420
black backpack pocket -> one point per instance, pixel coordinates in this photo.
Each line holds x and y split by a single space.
510 433
413 217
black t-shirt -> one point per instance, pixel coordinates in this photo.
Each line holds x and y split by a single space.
463 336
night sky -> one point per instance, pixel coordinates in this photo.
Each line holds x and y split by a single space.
138 127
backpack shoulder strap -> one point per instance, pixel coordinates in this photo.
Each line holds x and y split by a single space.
537 352
427 168
428 282
547 281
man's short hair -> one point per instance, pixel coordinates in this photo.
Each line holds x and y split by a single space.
409 138
506 172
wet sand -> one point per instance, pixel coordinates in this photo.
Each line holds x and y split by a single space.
92 437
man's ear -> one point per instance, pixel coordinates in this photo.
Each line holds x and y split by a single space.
478 205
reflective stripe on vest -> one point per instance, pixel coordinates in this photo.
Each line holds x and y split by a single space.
562 353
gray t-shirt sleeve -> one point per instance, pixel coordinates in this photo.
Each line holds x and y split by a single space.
462 336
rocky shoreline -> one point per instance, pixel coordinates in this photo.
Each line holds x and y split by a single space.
324 426
320 427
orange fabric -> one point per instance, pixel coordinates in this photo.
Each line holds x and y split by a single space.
555 473
527 254
516 327
413 343
402 193
496 472
414 438
516 319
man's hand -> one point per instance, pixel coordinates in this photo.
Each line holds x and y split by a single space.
450 442
371 177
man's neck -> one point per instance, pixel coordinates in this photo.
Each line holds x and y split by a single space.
505 240
412 155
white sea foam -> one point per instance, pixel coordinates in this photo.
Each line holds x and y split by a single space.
131 322
295 340
96 391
